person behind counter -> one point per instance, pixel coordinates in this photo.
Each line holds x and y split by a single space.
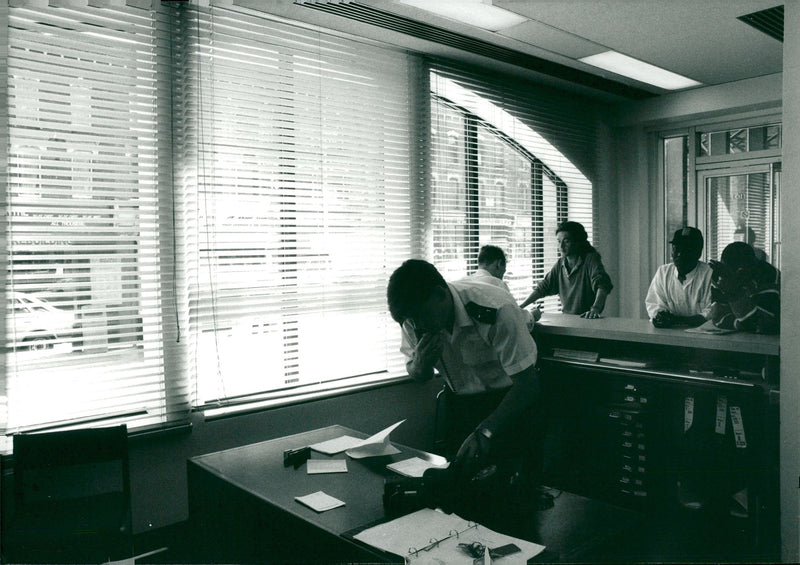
578 277
475 335
746 291
680 292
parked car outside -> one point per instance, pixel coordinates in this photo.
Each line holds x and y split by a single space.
37 324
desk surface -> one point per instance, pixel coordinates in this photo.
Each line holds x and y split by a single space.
643 331
574 524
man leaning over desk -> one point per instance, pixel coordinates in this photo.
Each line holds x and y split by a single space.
475 335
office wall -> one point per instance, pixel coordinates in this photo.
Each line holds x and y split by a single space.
158 463
790 299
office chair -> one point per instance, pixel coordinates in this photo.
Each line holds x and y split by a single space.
71 498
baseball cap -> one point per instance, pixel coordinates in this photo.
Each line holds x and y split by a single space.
688 237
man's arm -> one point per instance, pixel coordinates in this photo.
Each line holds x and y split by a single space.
522 394
599 304
654 303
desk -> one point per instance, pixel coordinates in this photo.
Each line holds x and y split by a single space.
242 508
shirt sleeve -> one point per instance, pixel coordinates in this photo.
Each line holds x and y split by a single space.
597 273
511 340
548 286
705 295
654 301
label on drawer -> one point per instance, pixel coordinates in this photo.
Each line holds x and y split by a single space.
722 410
688 412
738 426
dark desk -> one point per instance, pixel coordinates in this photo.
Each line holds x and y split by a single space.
242 508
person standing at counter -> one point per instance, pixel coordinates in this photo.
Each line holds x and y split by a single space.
680 292
578 277
746 291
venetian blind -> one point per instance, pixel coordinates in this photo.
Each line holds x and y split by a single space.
510 161
87 172
294 204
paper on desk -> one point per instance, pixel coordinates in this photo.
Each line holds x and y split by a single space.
319 501
709 328
375 445
430 536
336 445
316 466
414 467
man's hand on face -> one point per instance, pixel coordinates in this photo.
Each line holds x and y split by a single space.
429 349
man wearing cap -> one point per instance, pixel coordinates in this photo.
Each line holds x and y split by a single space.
680 292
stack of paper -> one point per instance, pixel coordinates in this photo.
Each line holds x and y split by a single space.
373 446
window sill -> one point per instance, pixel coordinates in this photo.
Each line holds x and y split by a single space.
213 412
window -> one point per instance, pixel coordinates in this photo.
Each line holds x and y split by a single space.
84 338
725 181
497 180
204 205
297 211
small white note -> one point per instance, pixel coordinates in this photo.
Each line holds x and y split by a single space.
319 501
316 466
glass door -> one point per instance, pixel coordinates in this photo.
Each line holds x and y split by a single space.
740 204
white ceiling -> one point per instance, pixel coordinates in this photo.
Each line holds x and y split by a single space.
700 39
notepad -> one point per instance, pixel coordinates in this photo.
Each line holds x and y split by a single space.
319 501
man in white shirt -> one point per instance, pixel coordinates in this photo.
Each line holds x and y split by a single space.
680 292
492 268
475 336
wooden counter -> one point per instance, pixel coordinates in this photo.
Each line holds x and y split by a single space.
643 331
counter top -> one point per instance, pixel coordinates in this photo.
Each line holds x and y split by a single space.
643 331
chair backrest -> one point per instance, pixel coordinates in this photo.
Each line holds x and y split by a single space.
50 466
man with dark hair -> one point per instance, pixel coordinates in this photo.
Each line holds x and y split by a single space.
680 292
746 291
475 336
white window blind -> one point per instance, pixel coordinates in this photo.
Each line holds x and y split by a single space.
510 161
83 332
294 205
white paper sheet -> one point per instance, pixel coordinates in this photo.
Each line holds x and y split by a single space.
319 501
336 445
317 466
375 445
413 467
431 536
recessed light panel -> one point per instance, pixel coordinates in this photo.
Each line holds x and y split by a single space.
479 13
639 70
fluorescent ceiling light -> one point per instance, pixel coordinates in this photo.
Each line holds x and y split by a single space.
479 13
639 70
